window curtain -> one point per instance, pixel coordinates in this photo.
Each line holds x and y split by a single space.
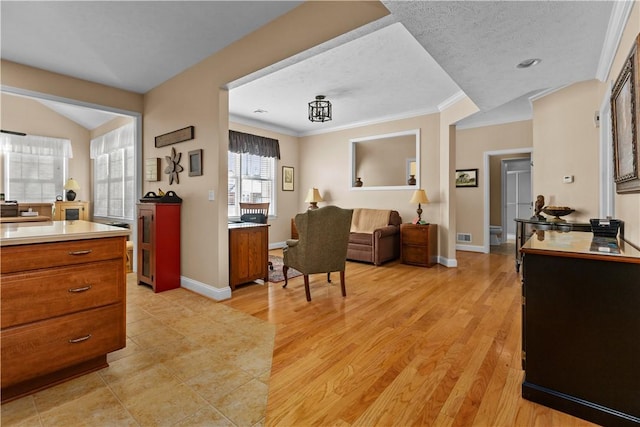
246 143
117 139
35 145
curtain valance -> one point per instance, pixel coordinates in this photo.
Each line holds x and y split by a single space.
36 145
242 143
112 141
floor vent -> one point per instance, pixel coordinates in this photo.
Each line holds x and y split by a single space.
464 237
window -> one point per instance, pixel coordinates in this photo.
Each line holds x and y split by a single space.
113 174
251 179
35 167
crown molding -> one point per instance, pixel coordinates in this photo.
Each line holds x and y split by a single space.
618 19
261 125
451 100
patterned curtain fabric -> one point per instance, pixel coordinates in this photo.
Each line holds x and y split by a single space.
242 143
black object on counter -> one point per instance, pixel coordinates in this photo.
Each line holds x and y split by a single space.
605 227
169 197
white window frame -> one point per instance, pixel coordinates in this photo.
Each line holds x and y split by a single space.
236 182
125 176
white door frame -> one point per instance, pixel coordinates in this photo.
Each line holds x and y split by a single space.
487 190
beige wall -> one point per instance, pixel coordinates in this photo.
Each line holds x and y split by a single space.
324 164
471 144
627 206
196 97
566 142
26 115
45 82
448 147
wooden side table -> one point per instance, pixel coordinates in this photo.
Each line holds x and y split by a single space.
419 244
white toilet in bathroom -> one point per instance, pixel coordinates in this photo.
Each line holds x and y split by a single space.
495 234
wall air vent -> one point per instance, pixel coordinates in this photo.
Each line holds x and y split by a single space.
463 237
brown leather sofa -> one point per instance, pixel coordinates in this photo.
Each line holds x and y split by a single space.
379 246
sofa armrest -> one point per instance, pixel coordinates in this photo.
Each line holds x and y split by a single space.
292 242
389 230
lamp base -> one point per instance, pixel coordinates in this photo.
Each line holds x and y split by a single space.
419 212
313 205
71 195
412 180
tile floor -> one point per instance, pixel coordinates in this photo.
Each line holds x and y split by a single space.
188 361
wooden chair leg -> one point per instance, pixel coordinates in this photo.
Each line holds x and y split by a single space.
306 287
284 272
344 289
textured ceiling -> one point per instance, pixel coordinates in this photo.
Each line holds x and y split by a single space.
408 63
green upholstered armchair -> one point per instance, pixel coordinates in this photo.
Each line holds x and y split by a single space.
322 245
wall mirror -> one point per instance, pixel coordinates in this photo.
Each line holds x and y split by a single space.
386 162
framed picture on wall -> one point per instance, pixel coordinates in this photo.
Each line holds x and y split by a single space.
195 162
287 178
466 177
625 118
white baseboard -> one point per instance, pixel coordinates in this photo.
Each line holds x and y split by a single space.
447 262
209 291
470 248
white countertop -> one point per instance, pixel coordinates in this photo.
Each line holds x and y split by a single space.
56 231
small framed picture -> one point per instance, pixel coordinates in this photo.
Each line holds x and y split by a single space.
195 162
466 177
287 178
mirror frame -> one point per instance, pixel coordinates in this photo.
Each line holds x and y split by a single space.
352 160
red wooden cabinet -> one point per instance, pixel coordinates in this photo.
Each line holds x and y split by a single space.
159 245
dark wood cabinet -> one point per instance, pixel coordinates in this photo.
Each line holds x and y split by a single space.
248 253
419 244
159 245
581 328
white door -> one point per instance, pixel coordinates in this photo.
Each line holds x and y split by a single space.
517 193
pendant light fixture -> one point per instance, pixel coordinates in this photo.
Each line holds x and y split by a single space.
320 110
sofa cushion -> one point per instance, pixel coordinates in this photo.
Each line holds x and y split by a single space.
361 238
368 220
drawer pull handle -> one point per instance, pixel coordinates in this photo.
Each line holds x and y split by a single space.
81 339
82 289
88 251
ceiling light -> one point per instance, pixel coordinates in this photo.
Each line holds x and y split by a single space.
529 63
320 110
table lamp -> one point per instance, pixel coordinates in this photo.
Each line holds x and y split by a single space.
71 186
313 197
419 196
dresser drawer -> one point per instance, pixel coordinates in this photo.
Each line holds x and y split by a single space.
415 235
45 255
40 294
40 348
415 255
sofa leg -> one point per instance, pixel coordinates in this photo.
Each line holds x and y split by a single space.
344 289
284 272
329 277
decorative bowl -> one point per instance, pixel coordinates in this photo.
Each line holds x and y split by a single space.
557 212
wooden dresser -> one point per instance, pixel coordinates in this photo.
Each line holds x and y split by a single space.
419 244
63 302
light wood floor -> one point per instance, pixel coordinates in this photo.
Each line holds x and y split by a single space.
407 346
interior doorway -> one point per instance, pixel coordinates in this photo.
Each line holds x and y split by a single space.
517 199
493 205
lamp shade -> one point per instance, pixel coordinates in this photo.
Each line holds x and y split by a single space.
419 196
313 196
72 184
